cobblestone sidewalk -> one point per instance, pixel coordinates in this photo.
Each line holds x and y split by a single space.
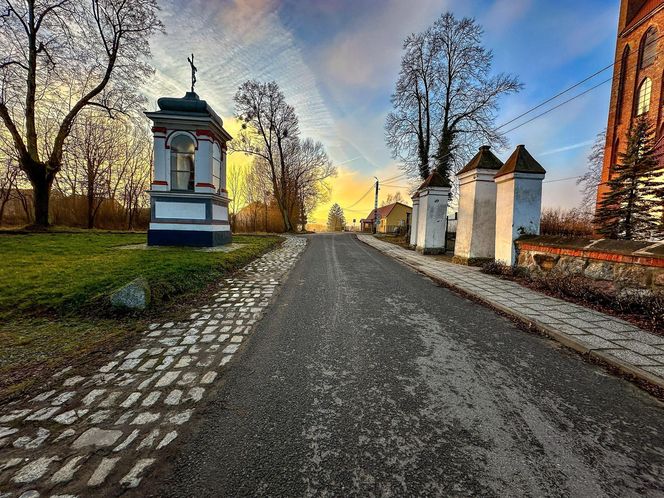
614 341
100 435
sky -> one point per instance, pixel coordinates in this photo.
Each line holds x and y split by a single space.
337 62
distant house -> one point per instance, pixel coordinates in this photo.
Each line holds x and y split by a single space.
391 218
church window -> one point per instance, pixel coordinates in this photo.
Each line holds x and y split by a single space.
182 163
645 92
621 82
648 47
614 158
216 166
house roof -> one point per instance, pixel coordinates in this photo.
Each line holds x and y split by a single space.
484 159
520 162
384 212
435 179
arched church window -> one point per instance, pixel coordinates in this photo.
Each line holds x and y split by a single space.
648 47
614 157
621 82
645 92
216 166
182 163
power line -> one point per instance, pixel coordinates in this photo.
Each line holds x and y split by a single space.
568 89
563 179
558 106
386 180
556 96
360 199
356 210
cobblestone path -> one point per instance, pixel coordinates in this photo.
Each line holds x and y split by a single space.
100 435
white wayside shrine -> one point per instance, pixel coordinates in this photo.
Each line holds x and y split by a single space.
518 202
431 223
188 198
476 228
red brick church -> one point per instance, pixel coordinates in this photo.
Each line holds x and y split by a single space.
637 76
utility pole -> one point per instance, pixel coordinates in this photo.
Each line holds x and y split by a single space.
375 208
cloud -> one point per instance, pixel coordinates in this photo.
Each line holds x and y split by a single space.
504 13
236 40
367 54
567 147
248 19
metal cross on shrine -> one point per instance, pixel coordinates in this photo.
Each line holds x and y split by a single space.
194 70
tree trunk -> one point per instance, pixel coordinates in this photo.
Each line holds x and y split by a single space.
444 153
91 210
2 209
41 181
287 224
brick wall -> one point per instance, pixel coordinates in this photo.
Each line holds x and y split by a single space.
623 264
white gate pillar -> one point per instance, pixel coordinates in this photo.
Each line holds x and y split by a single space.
518 202
434 195
414 219
476 228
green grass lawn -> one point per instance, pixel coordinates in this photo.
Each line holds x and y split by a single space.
54 290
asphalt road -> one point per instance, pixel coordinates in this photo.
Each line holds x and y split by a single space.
366 378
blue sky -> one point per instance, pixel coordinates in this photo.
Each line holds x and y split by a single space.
337 61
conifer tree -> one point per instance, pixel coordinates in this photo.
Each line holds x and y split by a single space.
335 219
631 208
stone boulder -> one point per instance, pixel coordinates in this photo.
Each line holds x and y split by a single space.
599 270
658 278
135 295
633 276
546 262
569 265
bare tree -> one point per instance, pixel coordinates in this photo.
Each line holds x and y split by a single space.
409 128
12 179
89 155
455 110
592 177
8 183
58 57
295 169
236 180
310 168
270 125
132 172
391 199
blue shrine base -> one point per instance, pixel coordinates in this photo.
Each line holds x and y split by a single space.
190 238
